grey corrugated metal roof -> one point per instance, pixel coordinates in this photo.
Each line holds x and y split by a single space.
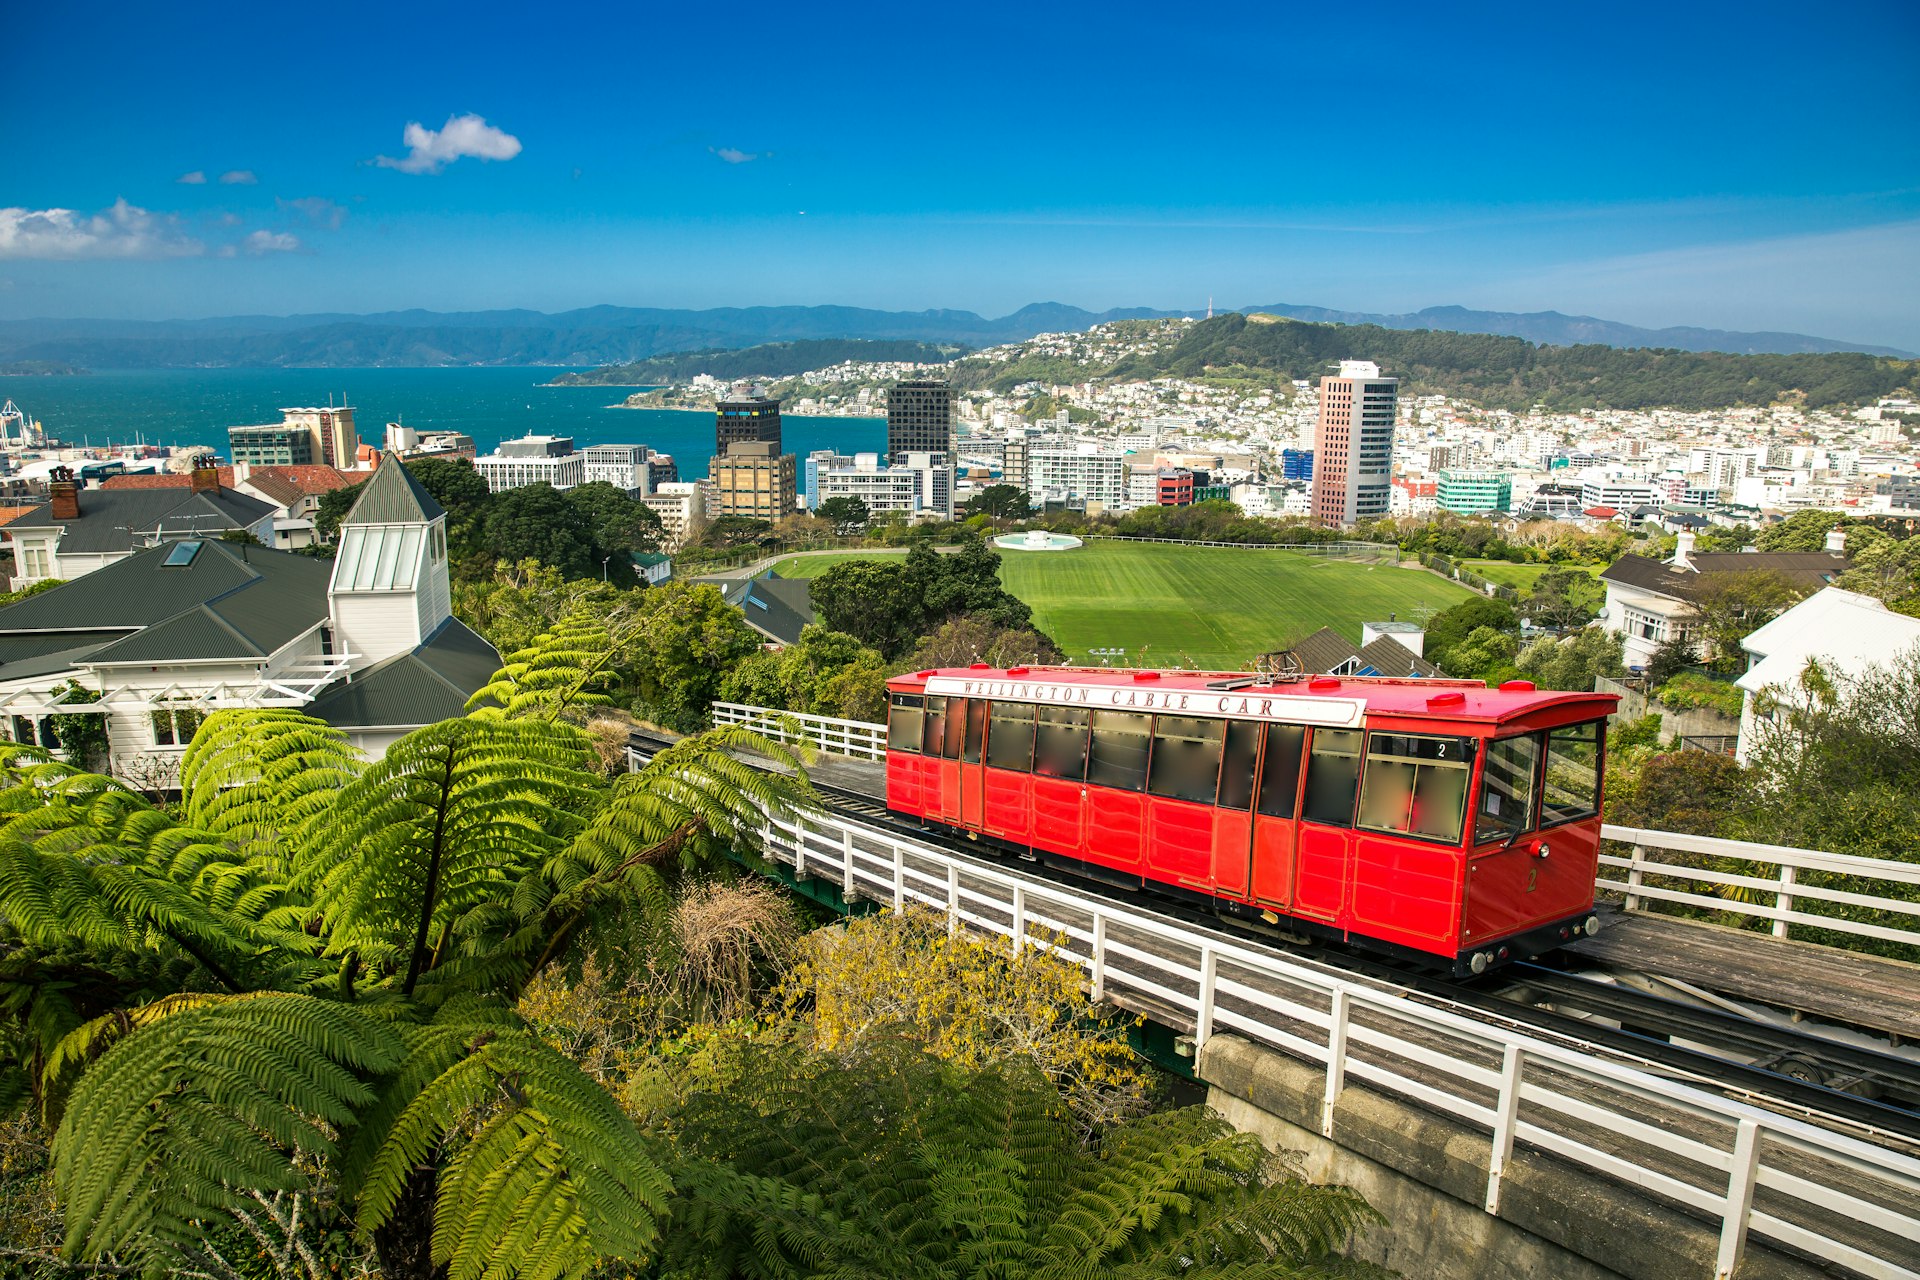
1809 569
1324 652
110 518
423 686
778 608
393 496
1385 657
229 602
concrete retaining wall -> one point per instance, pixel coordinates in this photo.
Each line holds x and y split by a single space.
1699 722
1428 1175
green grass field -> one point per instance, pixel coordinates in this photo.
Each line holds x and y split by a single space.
814 566
1592 593
1197 606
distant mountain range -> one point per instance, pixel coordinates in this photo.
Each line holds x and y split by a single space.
618 335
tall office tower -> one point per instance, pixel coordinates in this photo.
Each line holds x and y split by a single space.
334 439
754 420
755 480
1353 445
919 418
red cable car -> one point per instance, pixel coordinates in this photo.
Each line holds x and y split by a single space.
1439 818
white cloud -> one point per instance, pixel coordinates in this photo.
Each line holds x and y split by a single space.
431 150
197 178
318 210
124 231
260 242
239 178
733 155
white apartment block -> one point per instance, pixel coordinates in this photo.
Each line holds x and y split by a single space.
503 473
920 484
624 466
682 508
1086 472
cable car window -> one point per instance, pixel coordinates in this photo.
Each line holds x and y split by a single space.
956 727
1186 759
1060 742
1236 770
1416 785
1333 775
903 722
1573 774
976 730
1119 755
1010 737
1280 771
936 727
1506 788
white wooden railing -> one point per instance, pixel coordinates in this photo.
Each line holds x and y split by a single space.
1875 884
1872 882
861 739
1749 1170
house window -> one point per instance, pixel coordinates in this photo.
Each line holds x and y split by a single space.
33 562
174 726
25 731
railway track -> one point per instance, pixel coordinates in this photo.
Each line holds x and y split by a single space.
1783 1068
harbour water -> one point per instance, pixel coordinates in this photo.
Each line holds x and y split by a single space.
196 406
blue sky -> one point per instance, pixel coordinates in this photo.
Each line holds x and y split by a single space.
1752 166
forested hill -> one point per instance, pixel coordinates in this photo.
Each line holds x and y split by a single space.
1512 373
769 360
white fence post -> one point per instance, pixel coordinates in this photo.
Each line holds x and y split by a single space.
846 866
1209 976
1783 900
899 878
1506 1116
953 898
1733 1229
1639 857
1019 917
1098 959
799 847
1336 1059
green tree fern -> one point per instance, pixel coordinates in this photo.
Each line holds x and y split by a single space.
308 970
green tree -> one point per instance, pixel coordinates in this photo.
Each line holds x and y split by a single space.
620 526
1573 662
1731 606
537 522
1884 568
1450 627
870 600
1801 531
688 637
1001 502
321 959
1668 661
522 599
846 514
1559 600
968 639
888 1162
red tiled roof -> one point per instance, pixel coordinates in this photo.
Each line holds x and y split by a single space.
163 480
9 514
1600 513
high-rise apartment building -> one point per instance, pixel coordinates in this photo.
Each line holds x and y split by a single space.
1076 474
920 484
270 446
753 420
1013 465
1353 445
624 466
1470 493
331 439
533 459
919 418
754 479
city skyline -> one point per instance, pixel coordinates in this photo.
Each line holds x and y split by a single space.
1729 167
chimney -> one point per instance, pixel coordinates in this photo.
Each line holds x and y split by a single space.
64 492
1682 548
206 474
1837 540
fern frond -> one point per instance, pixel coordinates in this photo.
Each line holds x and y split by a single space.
181 1119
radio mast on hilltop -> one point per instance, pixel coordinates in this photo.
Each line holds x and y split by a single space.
1209 306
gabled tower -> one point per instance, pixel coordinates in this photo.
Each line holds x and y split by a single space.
390 590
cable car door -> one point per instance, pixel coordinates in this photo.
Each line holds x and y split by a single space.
973 772
1275 828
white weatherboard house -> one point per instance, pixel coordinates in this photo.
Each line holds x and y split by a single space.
1843 631
367 642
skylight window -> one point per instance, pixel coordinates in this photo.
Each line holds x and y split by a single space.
182 555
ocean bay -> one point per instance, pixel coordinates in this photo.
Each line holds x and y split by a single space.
196 406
